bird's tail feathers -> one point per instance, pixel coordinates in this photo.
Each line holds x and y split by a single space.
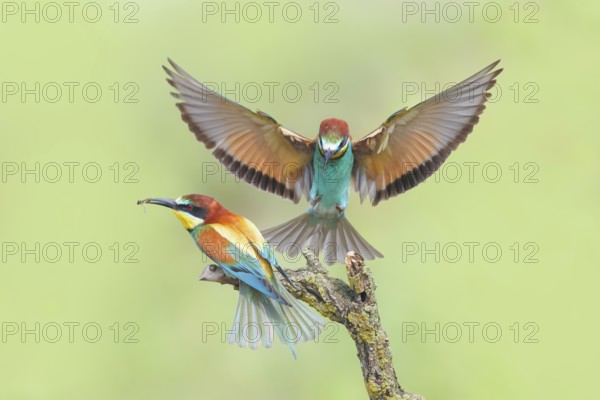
259 319
334 237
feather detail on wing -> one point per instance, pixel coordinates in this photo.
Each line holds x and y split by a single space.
231 251
412 143
252 145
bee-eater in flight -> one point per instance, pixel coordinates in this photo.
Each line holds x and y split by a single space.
407 148
265 308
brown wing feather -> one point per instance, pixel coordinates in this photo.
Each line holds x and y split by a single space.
252 145
412 144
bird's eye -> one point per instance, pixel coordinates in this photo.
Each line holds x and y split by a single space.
212 268
320 146
189 207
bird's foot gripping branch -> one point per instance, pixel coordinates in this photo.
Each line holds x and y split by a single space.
353 305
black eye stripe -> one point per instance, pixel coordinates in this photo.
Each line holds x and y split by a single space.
197 212
339 153
340 146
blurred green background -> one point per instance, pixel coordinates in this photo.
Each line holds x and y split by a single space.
137 311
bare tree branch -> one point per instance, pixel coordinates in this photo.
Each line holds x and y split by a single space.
353 305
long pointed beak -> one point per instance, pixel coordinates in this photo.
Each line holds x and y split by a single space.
328 154
169 203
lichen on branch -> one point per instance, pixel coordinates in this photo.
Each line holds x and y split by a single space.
353 305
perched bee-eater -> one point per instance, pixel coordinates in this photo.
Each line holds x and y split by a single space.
265 308
402 152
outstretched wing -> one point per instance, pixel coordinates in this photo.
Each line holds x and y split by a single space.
253 146
412 144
